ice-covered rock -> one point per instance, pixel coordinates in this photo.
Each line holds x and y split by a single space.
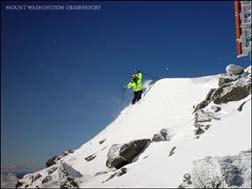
233 69
219 172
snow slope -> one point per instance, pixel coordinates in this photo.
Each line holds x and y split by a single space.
169 104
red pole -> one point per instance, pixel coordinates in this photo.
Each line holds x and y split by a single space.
237 11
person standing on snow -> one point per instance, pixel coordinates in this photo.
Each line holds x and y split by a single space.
136 85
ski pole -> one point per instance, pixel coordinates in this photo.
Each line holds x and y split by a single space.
149 75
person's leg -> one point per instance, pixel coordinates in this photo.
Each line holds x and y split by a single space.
139 95
135 98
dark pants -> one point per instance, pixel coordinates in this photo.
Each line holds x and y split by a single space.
137 96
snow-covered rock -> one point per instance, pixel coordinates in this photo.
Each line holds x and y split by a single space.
220 172
163 135
248 69
233 69
57 176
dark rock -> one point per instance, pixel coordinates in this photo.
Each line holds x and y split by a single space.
19 184
131 150
172 151
91 157
187 178
110 177
69 183
201 105
199 131
241 106
51 161
186 181
101 173
205 102
122 171
53 169
207 127
37 176
102 141
118 155
166 134
163 135
66 152
157 138
234 93
47 179
209 95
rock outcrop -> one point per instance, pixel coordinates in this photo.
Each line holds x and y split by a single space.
235 85
220 172
53 160
60 175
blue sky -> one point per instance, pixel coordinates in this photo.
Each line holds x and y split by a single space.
62 72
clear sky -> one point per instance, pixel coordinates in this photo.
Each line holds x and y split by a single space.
62 72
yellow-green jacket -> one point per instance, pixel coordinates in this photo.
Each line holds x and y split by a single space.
136 86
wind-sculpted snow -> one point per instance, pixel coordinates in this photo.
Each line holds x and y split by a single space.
190 134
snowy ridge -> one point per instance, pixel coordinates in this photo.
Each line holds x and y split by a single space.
168 105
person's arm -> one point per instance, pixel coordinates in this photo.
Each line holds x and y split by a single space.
131 84
139 75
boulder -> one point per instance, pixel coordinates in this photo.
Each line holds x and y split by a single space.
120 155
163 135
233 69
